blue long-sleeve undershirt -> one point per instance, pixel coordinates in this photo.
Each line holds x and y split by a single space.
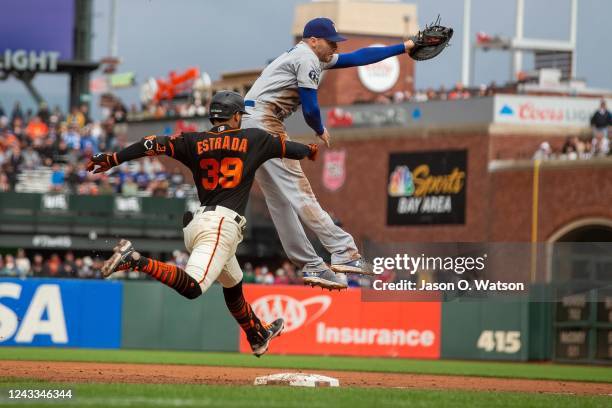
368 55
363 56
310 109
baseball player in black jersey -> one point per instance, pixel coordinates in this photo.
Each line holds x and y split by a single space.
223 162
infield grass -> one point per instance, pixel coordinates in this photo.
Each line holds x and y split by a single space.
146 395
544 371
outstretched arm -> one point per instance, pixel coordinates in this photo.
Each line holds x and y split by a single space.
370 55
298 151
147 146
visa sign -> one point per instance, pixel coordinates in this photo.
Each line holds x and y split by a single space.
56 312
47 300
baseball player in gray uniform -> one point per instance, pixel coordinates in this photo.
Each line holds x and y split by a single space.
286 83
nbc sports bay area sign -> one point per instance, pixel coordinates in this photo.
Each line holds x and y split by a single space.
427 187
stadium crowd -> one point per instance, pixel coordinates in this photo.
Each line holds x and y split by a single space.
575 148
20 265
62 144
441 94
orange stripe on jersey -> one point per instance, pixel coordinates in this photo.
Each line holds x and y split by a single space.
171 147
214 250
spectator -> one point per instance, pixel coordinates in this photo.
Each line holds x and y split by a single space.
38 268
76 119
69 267
569 149
9 140
268 276
177 178
31 158
56 116
5 185
72 137
105 187
88 143
36 129
601 119
57 178
23 263
259 275
53 267
544 152
281 277
248 274
11 174
458 92
141 178
72 179
159 188
46 151
84 270
10 268
600 145
129 187
85 112
14 157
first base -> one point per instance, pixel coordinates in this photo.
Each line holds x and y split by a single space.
298 380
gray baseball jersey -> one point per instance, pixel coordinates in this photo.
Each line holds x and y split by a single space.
288 193
279 81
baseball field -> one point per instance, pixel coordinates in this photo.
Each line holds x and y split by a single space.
163 378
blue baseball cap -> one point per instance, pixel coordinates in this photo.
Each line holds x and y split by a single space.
322 27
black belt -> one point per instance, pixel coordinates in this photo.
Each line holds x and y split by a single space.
238 218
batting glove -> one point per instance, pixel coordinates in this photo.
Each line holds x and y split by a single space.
104 161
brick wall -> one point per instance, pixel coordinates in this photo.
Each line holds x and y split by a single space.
499 203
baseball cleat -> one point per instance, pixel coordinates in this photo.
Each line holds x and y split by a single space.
357 266
326 279
260 343
122 258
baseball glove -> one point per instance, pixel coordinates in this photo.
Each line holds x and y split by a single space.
431 41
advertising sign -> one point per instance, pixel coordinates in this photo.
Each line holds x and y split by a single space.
56 312
332 323
35 34
427 188
381 76
551 111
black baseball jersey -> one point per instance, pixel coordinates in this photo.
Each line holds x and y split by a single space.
223 160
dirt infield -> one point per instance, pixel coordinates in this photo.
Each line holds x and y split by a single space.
185 374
